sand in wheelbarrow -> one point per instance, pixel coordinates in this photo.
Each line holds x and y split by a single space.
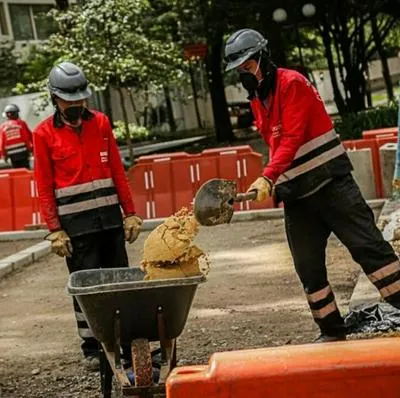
169 251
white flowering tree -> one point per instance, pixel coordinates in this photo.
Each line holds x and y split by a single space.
112 41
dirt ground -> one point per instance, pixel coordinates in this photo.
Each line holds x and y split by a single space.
9 248
252 298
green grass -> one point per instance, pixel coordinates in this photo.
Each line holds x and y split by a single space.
381 96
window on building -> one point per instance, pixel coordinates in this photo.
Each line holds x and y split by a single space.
44 24
3 24
21 22
31 22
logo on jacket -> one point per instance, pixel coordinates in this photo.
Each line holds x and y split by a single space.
276 130
104 157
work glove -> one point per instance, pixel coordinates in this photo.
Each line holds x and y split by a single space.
263 186
132 226
60 243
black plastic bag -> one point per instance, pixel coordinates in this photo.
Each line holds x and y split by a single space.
373 318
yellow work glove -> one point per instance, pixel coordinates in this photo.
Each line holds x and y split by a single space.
132 226
60 243
263 186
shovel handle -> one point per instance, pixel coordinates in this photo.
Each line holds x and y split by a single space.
243 197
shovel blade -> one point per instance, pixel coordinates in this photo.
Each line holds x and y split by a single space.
213 203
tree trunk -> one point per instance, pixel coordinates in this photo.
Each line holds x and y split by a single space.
329 56
277 48
223 126
135 111
170 112
215 23
126 123
62 4
107 104
195 97
384 61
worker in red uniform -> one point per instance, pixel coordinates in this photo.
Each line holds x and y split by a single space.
309 171
82 186
15 138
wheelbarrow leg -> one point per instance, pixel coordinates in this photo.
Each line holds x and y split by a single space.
168 348
105 375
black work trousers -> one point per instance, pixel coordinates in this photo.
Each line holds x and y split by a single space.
19 162
105 249
338 207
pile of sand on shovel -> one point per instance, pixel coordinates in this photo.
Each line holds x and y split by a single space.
169 251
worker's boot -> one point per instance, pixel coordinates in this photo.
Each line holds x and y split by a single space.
324 338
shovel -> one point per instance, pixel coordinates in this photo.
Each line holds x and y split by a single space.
213 203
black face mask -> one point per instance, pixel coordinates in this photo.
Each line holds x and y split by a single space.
249 81
73 113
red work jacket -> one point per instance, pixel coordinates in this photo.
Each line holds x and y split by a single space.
305 151
80 177
15 138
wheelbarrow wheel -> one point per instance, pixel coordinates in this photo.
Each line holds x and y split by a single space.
142 363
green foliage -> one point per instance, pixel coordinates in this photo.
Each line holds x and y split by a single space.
137 133
351 125
108 40
9 68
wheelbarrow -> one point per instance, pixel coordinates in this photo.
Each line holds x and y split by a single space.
124 310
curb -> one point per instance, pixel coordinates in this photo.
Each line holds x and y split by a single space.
34 253
23 258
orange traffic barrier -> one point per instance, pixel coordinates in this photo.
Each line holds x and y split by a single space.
378 132
384 139
18 202
162 184
352 369
370 143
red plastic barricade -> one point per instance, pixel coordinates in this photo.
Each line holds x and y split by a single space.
363 368
371 144
241 164
380 141
162 184
391 131
18 205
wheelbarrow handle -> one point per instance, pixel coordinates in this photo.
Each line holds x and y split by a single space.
243 197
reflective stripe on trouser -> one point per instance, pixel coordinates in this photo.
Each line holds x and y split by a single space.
340 208
83 328
323 306
387 281
105 249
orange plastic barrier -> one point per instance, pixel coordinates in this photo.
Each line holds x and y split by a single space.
378 132
18 200
373 143
352 369
162 184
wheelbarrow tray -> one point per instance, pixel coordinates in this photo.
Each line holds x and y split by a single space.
101 293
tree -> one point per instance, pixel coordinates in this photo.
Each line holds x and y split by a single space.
346 40
396 176
9 68
62 4
207 22
109 41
